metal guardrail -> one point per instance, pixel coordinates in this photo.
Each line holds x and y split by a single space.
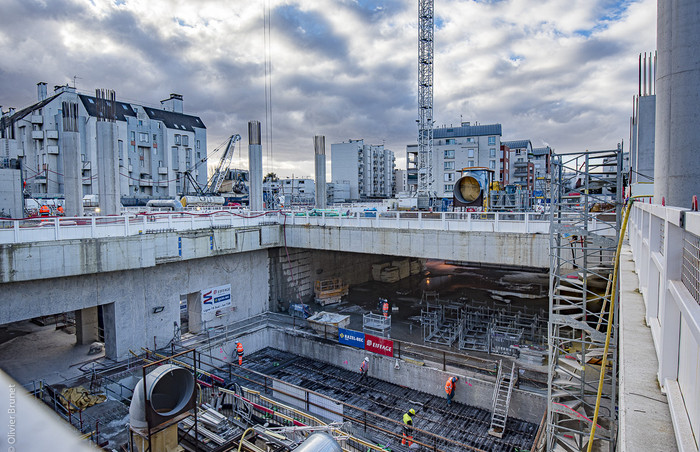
665 243
38 229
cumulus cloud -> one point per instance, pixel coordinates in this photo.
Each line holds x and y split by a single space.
556 71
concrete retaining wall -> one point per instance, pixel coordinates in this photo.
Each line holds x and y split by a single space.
130 297
495 248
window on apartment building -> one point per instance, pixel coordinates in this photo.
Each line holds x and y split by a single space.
492 140
449 153
185 140
177 139
155 137
471 140
120 145
188 154
492 164
449 165
198 144
141 157
449 177
450 141
129 163
143 137
140 123
521 159
470 163
492 152
449 187
133 135
470 153
517 152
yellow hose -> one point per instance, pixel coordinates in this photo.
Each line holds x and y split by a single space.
240 444
623 229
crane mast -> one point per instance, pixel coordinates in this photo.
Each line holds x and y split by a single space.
426 27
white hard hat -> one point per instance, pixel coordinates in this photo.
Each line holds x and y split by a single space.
366 358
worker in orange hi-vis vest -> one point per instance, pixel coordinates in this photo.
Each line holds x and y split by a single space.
239 352
44 211
385 308
450 388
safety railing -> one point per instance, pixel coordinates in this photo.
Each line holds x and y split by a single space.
665 243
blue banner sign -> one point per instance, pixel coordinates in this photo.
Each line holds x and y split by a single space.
351 338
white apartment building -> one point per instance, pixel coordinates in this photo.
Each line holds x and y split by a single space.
298 191
155 145
522 170
368 169
455 148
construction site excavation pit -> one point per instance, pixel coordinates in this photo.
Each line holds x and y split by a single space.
376 407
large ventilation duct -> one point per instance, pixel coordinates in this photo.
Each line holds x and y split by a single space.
472 188
170 392
320 154
255 196
319 442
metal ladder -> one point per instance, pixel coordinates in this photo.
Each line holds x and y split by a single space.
501 400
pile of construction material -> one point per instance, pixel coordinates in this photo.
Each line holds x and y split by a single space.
396 270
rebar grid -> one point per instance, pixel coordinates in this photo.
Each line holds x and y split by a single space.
584 228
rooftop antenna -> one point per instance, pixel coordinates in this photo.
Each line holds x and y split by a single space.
74 79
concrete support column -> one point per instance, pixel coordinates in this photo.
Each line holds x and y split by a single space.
86 325
72 163
255 166
320 154
678 102
108 168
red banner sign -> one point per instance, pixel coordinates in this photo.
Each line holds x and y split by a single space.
379 345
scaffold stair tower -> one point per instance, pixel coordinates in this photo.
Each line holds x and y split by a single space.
585 220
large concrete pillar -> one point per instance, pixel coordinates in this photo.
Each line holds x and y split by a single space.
72 164
678 102
320 154
107 154
86 325
255 195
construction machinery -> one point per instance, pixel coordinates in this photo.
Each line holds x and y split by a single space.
209 194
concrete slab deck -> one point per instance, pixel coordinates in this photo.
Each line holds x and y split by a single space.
645 418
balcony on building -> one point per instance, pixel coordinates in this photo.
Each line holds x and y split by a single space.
36 119
162 170
52 149
37 134
52 134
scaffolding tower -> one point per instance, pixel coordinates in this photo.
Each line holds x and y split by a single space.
585 215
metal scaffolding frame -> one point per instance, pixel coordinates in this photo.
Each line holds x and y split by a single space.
584 231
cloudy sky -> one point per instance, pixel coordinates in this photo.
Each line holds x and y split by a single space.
559 72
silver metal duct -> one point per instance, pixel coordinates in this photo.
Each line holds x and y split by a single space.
319 442
170 390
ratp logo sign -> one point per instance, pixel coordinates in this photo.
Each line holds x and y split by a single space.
216 298
351 338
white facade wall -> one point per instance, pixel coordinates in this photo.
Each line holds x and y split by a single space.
450 155
369 169
148 165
